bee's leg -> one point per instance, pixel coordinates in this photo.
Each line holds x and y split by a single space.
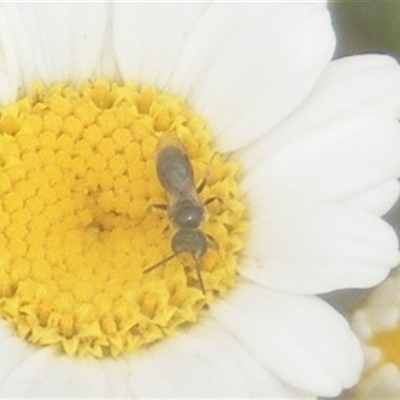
210 239
162 207
216 210
207 175
202 185
211 200
200 189
199 277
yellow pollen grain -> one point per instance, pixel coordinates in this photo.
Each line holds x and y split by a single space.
77 224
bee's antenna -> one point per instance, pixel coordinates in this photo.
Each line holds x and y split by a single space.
162 262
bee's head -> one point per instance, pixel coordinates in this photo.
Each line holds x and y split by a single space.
190 241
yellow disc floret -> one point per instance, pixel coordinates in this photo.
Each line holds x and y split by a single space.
78 225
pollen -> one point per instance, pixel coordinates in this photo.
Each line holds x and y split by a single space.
83 216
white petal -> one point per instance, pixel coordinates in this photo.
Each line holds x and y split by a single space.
203 51
12 349
361 325
300 339
9 71
247 67
186 366
383 383
45 374
372 355
87 41
319 248
148 38
205 361
107 63
66 39
381 311
117 379
349 88
364 84
336 163
378 200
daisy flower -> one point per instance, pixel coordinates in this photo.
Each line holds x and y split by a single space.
289 160
376 322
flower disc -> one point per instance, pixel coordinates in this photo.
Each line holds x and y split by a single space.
78 187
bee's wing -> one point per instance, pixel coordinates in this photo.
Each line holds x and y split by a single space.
173 166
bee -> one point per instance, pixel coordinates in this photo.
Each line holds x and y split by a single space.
185 209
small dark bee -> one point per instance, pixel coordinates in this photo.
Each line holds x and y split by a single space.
185 209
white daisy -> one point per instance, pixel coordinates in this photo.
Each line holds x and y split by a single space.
376 322
318 144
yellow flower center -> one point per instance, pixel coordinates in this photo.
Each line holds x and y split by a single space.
389 344
79 222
